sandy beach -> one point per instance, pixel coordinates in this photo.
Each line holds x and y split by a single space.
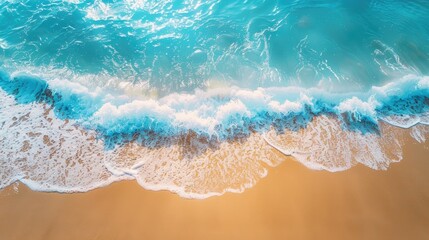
292 202
214 120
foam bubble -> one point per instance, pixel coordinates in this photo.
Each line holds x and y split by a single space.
325 145
46 153
196 167
68 138
420 133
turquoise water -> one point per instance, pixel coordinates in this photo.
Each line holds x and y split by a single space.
179 45
195 81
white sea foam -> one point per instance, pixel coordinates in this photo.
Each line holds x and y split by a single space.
50 154
420 133
196 96
325 145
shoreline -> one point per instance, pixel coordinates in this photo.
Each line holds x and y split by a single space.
291 202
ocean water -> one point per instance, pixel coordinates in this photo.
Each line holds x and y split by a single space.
203 97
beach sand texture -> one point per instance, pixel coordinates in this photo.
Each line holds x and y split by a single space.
292 202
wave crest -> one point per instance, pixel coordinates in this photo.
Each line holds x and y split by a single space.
68 139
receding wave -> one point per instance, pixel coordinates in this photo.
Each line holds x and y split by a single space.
66 138
204 97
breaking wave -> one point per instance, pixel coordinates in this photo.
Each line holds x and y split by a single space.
67 138
202 98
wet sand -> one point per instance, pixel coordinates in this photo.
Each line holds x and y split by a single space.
292 202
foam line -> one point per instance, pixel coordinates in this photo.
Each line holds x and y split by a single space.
197 145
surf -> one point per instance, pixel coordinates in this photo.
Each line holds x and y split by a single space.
203 98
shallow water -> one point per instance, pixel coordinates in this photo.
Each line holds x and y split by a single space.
200 97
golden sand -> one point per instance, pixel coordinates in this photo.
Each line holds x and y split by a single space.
292 202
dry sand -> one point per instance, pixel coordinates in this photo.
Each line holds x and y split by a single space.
292 202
